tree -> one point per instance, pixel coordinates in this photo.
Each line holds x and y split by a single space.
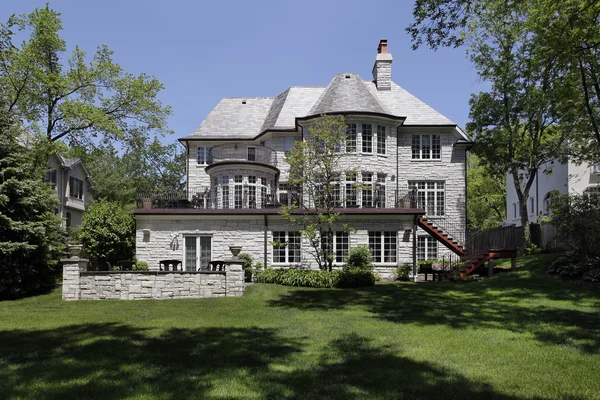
77 100
315 170
144 165
567 35
516 123
108 233
31 240
486 196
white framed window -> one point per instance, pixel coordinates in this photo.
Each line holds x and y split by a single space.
427 248
288 143
238 199
381 137
516 212
225 191
380 191
263 192
367 138
367 190
426 147
531 206
430 196
286 247
251 156
384 246
351 138
51 177
197 252
252 191
204 155
75 188
351 190
340 247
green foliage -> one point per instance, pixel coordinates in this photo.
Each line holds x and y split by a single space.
140 266
486 196
360 257
577 219
401 273
146 164
31 240
314 169
247 266
69 97
108 233
350 277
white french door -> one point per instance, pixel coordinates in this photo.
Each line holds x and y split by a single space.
197 252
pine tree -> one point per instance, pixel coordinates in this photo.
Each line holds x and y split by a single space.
31 239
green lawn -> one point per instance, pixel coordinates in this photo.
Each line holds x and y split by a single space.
518 335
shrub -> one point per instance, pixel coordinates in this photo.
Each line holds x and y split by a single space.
140 266
247 266
349 277
401 273
360 257
108 233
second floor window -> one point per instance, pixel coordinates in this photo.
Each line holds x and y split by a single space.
204 155
237 199
76 188
225 189
51 177
380 139
426 147
288 143
367 138
430 196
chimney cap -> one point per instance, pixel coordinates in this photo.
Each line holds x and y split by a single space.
382 48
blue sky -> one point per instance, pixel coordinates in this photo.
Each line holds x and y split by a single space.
203 51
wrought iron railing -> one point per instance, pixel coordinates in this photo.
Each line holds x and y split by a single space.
246 196
242 152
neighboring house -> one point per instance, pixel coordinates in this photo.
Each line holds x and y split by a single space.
237 177
552 178
73 184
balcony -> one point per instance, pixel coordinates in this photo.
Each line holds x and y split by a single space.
242 153
250 197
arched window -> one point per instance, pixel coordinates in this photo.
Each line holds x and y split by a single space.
68 219
549 198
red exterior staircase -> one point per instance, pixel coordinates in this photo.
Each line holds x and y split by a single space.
472 259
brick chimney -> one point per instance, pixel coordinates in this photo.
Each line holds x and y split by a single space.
382 70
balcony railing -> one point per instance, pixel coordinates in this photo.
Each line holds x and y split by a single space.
257 197
243 153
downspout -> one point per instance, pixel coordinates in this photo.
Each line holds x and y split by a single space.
414 230
265 241
397 161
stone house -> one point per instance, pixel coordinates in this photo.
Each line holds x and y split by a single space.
72 183
411 162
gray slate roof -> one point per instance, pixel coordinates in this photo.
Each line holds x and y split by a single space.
347 92
232 119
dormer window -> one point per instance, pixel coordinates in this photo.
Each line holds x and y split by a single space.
204 155
251 153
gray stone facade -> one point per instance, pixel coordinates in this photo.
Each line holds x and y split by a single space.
79 284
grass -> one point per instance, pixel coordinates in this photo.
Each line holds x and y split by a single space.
518 335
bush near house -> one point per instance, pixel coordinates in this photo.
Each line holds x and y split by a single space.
108 233
349 277
361 258
577 219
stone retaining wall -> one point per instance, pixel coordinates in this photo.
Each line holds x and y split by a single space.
80 284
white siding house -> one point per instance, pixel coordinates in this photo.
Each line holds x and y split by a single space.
412 158
552 178
72 183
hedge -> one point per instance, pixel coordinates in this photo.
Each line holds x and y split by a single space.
349 277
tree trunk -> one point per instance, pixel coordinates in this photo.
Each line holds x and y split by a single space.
525 222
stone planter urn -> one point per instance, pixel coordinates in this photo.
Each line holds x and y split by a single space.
235 250
75 250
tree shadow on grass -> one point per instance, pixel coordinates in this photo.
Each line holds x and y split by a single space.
496 304
106 361
351 367
111 361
